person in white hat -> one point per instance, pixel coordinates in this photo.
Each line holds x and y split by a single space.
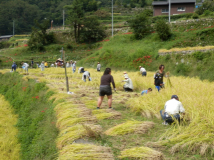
128 86
125 74
142 71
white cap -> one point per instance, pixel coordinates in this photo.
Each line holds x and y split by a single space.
126 76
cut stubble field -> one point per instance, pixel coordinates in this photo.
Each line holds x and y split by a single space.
133 130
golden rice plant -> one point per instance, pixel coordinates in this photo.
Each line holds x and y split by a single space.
106 114
186 49
142 153
9 145
86 152
72 133
139 127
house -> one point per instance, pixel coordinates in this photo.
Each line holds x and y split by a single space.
177 7
5 38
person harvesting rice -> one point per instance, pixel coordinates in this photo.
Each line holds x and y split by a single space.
105 88
128 86
142 71
85 75
159 78
173 108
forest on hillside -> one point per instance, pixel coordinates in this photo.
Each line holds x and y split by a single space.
24 12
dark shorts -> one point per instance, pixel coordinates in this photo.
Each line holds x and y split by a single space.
105 90
144 74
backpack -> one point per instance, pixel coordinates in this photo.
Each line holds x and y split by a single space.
157 79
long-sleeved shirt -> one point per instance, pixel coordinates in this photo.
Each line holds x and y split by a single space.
74 66
128 83
107 79
42 65
98 66
142 70
174 106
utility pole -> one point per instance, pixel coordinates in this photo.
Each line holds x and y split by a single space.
51 24
112 19
63 19
13 27
66 77
169 10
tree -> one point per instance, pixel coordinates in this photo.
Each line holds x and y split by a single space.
163 29
142 3
39 36
76 15
141 25
92 31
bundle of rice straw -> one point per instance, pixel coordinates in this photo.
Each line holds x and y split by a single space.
142 153
139 127
85 152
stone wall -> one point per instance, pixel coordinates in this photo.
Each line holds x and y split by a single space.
184 52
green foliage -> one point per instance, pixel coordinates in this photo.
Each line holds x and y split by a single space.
19 11
4 45
162 29
173 17
92 31
76 15
206 6
195 16
102 14
141 26
148 12
183 69
207 13
37 132
39 37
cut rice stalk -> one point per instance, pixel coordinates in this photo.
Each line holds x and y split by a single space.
142 153
128 127
86 152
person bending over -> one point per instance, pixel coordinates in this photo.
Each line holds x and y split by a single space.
172 110
128 86
85 75
105 88
142 71
146 91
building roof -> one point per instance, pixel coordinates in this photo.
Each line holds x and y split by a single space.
7 36
166 2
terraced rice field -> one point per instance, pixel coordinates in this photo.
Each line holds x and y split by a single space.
133 129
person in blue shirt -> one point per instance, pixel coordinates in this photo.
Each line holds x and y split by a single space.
146 91
14 66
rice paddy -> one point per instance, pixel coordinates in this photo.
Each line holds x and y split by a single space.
124 132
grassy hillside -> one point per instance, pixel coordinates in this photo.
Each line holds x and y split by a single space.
123 52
